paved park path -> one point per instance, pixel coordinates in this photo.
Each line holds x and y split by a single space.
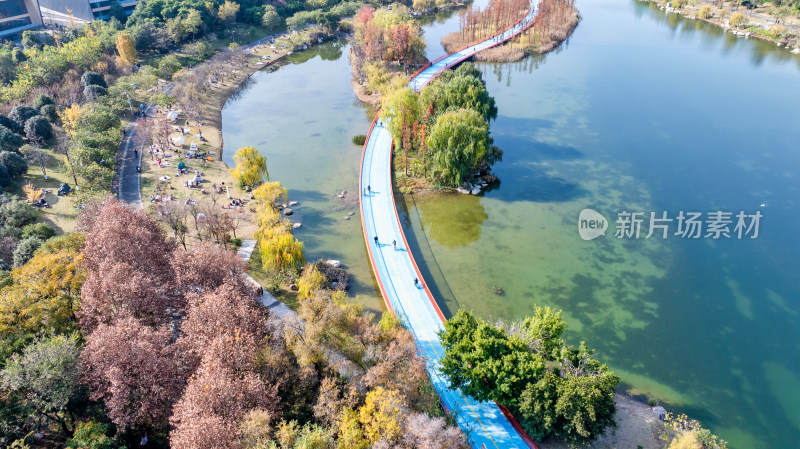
485 423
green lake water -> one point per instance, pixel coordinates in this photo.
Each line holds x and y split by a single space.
638 111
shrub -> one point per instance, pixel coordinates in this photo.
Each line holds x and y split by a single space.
41 231
236 241
92 435
42 100
25 250
16 214
20 114
168 66
93 91
93 78
7 122
15 164
18 56
38 128
705 12
5 178
50 112
9 140
359 139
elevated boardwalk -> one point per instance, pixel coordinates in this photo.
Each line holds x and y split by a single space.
485 423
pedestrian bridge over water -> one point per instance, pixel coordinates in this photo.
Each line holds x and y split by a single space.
485 423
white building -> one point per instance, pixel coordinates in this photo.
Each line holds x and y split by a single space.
17 16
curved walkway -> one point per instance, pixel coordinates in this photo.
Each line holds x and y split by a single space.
485 423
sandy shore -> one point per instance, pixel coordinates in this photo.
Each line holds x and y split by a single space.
637 426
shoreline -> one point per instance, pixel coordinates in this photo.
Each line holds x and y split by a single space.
788 40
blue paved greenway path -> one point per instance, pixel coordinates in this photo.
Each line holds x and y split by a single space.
483 422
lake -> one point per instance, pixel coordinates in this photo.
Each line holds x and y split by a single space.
637 112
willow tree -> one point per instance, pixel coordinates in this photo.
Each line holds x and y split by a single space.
280 251
251 167
269 193
458 141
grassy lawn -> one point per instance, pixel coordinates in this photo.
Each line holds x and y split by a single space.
61 214
243 34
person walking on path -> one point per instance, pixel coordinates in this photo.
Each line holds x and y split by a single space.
394 243
369 190
416 282
376 240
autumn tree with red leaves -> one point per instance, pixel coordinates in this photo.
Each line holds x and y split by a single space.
115 290
205 267
128 261
215 400
121 234
131 368
229 311
389 36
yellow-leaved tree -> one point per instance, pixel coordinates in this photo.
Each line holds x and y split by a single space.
311 281
251 167
381 416
70 118
280 251
44 293
126 47
270 193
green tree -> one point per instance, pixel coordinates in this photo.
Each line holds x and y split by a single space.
271 20
93 92
8 67
193 22
93 435
228 11
462 88
46 377
21 114
38 129
50 112
251 167
93 78
168 66
484 362
554 390
41 231
25 250
176 28
42 100
458 141
9 140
